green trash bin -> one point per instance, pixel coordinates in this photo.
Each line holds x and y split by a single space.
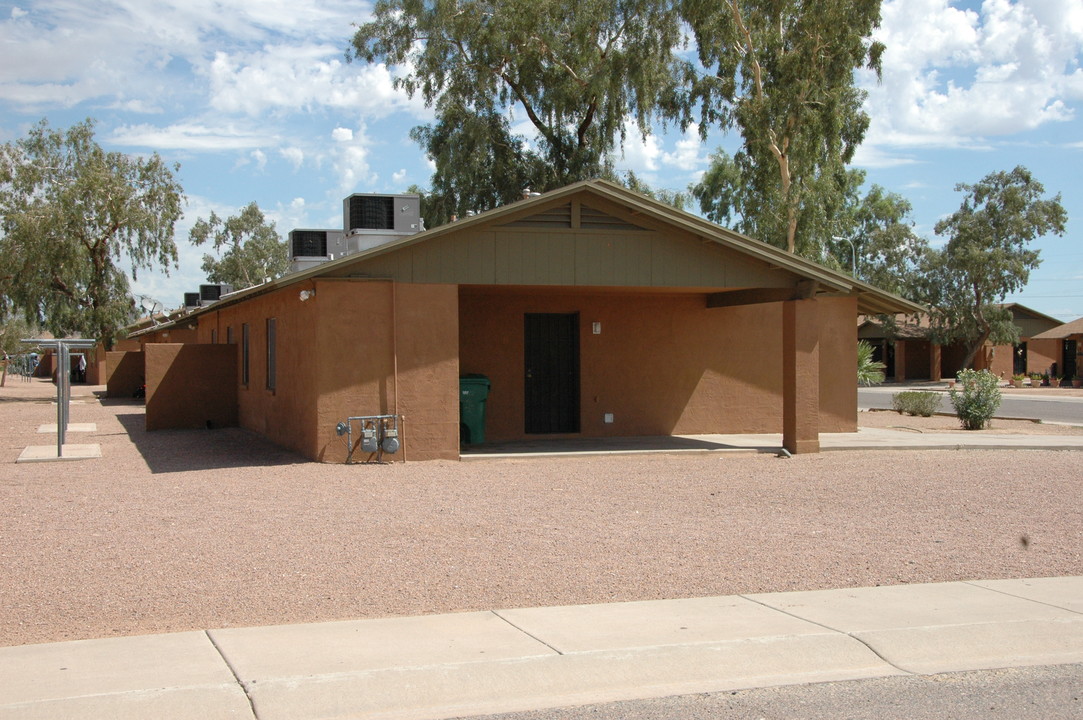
473 391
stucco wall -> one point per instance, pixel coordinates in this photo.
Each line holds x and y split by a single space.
125 373
838 365
662 364
389 348
190 386
287 414
1041 354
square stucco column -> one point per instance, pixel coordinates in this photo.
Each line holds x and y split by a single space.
800 376
934 362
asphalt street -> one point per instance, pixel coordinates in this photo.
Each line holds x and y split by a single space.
1044 408
1029 693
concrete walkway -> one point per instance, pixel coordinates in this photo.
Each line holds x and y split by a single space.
443 666
863 439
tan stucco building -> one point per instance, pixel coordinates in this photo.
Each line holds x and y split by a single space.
594 312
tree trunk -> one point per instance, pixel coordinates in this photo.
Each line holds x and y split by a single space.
973 348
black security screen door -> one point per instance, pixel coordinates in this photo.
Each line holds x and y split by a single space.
552 373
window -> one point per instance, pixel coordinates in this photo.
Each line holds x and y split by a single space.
271 330
214 337
229 335
244 354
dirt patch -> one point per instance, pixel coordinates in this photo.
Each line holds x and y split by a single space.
182 530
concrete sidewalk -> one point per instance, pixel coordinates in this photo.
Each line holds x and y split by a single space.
863 439
443 666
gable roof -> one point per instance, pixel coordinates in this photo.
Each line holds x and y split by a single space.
1075 327
644 210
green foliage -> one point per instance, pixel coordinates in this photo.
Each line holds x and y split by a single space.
782 72
254 252
576 74
12 330
480 165
70 213
915 402
869 371
986 258
977 402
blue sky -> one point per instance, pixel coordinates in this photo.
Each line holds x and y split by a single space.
255 100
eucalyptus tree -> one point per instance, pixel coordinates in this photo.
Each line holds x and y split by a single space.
782 73
578 77
72 216
253 250
987 257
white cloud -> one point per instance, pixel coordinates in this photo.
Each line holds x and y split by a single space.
350 160
953 76
399 176
688 153
261 159
342 134
294 155
300 78
639 154
192 136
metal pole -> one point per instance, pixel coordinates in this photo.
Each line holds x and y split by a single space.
61 396
853 253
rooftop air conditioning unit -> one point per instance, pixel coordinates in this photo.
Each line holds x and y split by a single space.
371 220
212 293
191 300
368 211
309 248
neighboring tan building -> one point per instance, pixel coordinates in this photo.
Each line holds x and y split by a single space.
908 354
1068 348
594 311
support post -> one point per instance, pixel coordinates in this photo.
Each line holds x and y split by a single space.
800 376
900 360
934 363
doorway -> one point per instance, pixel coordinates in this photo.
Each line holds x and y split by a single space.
1069 365
552 372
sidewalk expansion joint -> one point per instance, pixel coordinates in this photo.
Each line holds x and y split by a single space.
527 633
233 671
1020 597
873 650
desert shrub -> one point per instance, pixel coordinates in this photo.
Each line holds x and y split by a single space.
869 371
975 398
913 402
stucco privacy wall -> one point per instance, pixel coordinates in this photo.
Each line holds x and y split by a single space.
662 364
286 414
838 364
190 386
390 348
125 373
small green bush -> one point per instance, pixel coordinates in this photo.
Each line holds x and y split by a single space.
978 400
913 402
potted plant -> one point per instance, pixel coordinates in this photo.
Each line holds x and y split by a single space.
1035 380
1018 380
1077 381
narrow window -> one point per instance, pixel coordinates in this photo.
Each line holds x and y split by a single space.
244 354
271 353
214 337
229 335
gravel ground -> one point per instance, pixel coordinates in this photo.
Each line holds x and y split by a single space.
181 530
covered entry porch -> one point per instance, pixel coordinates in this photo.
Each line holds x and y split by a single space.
575 363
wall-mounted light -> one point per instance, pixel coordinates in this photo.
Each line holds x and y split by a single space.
597 328
306 294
